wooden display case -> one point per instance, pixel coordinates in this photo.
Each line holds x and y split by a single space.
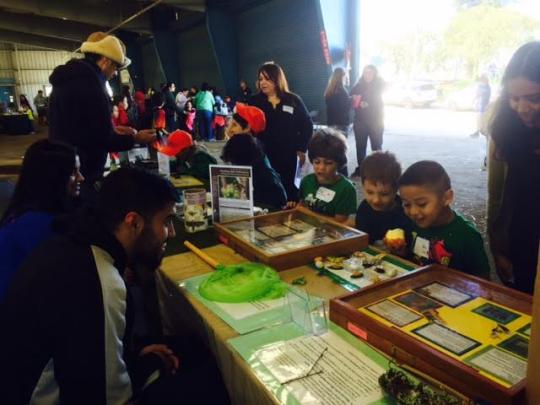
290 238
468 333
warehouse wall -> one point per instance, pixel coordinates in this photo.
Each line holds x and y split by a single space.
196 59
287 32
29 67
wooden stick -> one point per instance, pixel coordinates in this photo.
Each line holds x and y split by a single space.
212 262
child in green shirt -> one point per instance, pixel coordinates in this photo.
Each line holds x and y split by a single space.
439 234
326 191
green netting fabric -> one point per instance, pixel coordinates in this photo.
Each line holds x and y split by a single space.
242 283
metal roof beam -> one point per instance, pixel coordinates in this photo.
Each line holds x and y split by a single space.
36 40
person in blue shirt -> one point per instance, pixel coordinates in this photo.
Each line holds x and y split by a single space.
48 184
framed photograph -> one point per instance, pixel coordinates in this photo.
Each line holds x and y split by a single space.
496 313
446 338
417 302
500 364
444 294
516 344
394 313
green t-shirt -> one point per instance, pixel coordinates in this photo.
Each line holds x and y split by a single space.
458 245
329 199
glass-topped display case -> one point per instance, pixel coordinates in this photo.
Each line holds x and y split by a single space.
291 238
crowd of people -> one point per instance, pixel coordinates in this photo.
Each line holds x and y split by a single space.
74 244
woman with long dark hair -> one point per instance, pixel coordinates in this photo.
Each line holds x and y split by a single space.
49 181
514 171
338 102
288 124
368 113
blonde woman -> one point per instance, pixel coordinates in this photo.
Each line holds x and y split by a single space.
338 102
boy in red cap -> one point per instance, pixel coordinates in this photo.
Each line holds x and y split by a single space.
191 158
244 149
246 119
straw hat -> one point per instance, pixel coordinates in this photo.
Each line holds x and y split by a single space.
108 46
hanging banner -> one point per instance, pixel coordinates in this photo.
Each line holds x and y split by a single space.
325 48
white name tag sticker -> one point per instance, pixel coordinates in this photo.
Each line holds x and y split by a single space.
421 247
288 109
325 194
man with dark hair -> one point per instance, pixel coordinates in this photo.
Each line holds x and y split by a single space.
67 319
80 108
171 109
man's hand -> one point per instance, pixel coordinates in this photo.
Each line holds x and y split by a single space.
123 130
301 157
145 136
167 356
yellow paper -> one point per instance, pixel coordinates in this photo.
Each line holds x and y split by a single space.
465 322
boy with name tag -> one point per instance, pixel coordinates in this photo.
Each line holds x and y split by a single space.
381 209
326 191
439 234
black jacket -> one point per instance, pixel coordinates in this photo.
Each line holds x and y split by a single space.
65 302
80 114
377 223
268 192
288 130
338 106
371 94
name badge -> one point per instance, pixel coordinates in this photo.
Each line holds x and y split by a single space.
288 109
421 247
325 194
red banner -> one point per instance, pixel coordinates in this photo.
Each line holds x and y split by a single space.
325 48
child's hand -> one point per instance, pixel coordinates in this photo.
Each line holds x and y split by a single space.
397 251
290 205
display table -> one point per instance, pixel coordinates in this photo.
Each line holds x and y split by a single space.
182 312
16 124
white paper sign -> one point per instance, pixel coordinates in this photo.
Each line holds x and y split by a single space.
342 375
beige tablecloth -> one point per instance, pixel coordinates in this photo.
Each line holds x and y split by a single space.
182 312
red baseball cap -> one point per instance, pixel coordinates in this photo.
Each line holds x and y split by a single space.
253 115
176 143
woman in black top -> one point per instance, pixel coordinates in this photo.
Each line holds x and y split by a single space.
338 102
368 113
288 125
514 171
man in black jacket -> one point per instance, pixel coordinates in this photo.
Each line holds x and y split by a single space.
67 320
80 108
171 109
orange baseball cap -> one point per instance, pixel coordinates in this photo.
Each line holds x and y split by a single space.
176 143
253 115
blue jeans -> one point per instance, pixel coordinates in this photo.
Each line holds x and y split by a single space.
204 119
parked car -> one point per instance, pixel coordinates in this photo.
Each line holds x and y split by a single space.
411 94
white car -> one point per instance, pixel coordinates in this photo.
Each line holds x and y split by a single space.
411 94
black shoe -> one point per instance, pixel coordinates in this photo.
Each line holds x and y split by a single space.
356 172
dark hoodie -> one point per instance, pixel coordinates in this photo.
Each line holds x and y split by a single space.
80 114
69 303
